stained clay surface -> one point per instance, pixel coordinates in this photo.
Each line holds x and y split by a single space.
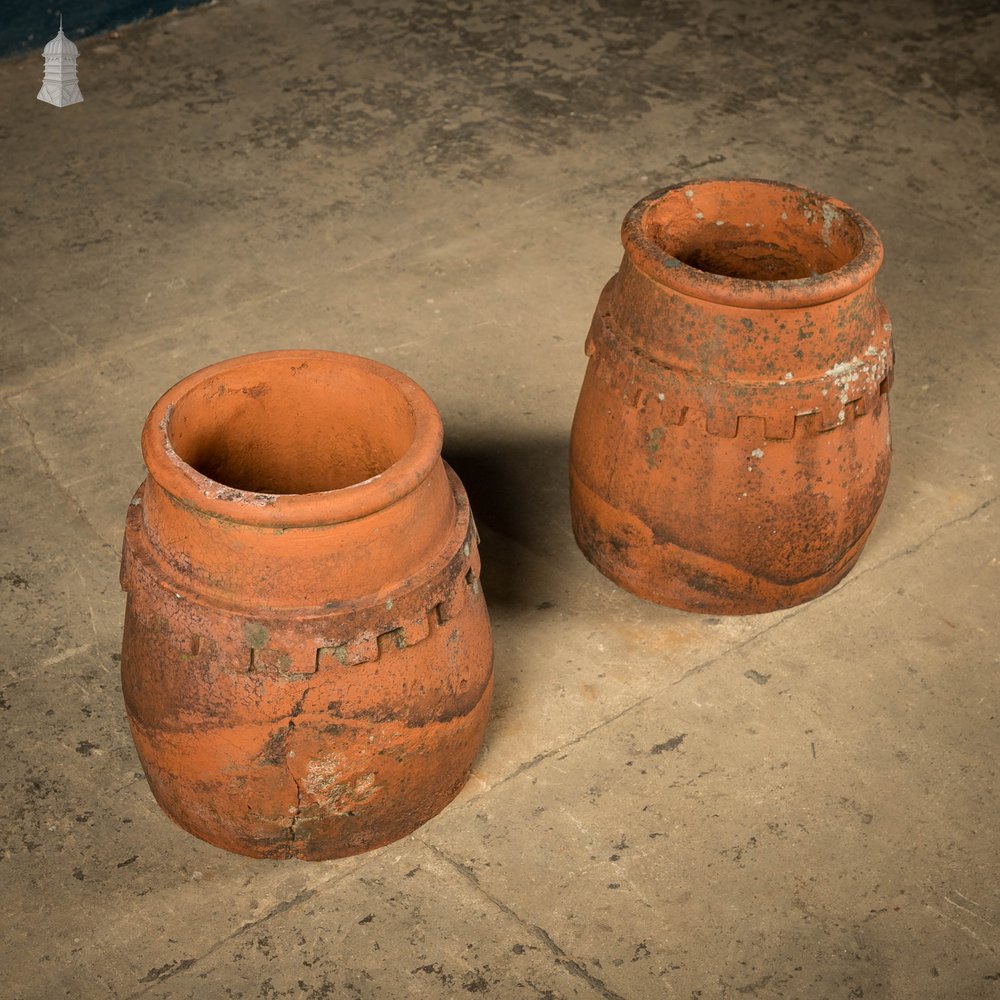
731 444
307 672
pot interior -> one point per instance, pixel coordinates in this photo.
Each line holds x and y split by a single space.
753 230
292 427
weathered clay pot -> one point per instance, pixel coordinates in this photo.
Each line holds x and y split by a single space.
731 443
307 661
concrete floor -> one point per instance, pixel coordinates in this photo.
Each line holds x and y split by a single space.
801 804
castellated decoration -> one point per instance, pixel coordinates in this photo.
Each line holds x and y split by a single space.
60 86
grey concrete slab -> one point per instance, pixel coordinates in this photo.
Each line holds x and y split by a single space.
798 818
791 805
60 597
402 924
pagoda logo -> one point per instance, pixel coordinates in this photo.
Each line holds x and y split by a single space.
60 86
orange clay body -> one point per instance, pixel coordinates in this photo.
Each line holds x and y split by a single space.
307 658
730 449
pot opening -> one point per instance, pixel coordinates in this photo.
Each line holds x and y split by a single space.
278 427
753 230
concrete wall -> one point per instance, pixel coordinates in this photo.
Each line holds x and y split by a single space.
27 24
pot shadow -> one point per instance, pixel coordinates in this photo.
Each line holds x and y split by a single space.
519 493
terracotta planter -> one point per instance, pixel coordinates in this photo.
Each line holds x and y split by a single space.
307 661
731 442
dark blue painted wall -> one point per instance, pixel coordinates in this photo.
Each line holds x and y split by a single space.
26 25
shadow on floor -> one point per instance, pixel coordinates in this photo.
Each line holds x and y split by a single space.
519 492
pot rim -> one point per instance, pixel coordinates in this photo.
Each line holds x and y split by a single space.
661 267
197 491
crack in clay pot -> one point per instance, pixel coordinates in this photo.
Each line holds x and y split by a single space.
269 634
